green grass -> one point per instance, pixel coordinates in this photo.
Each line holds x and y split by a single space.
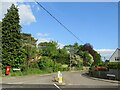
30 71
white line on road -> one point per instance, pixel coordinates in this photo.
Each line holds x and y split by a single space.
57 86
16 83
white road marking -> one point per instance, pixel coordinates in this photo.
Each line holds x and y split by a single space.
57 86
16 83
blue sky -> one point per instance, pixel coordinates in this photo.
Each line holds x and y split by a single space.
94 23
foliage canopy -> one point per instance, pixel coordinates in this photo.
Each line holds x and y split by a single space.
11 42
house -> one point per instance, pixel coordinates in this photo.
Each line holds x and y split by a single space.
115 56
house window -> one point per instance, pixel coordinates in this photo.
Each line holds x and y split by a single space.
117 58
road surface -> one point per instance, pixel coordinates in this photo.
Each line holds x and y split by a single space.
71 80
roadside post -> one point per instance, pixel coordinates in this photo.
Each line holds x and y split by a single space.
59 77
58 74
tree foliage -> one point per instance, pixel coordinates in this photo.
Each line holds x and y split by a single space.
89 48
11 40
28 39
30 53
29 46
86 52
19 49
57 55
0 41
48 49
62 56
45 63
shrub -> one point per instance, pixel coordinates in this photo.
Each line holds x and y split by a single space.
114 65
31 71
0 65
58 67
24 68
16 73
33 65
45 63
64 67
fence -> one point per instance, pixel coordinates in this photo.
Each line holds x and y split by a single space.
103 74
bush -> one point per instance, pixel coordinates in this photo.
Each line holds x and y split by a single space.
34 65
31 71
114 65
23 68
45 63
64 67
3 72
0 65
16 73
58 67
79 68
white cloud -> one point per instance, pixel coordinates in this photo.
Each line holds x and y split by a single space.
61 0
25 12
12 0
66 0
43 40
3 8
42 34
26 15
60 45
106 52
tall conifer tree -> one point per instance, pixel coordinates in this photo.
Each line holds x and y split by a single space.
11 42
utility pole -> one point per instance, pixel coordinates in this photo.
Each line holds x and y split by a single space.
70 61
71 50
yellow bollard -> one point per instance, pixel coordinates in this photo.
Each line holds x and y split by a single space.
60 78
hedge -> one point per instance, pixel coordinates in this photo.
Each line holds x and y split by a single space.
114 65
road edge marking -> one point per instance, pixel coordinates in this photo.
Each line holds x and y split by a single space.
15 83
57 86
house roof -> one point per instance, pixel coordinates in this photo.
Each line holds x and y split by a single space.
114 52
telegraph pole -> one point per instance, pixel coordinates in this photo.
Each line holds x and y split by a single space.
71 50
70 61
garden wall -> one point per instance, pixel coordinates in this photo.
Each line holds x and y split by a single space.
103 74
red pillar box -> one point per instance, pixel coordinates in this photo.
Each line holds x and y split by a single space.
7 70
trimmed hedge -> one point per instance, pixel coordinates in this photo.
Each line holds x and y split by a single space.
114 65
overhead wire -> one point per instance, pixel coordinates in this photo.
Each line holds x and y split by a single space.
59 22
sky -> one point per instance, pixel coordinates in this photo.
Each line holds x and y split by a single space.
93 22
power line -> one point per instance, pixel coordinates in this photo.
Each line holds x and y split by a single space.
59 22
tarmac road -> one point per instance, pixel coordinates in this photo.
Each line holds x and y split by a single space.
53 87
71 80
